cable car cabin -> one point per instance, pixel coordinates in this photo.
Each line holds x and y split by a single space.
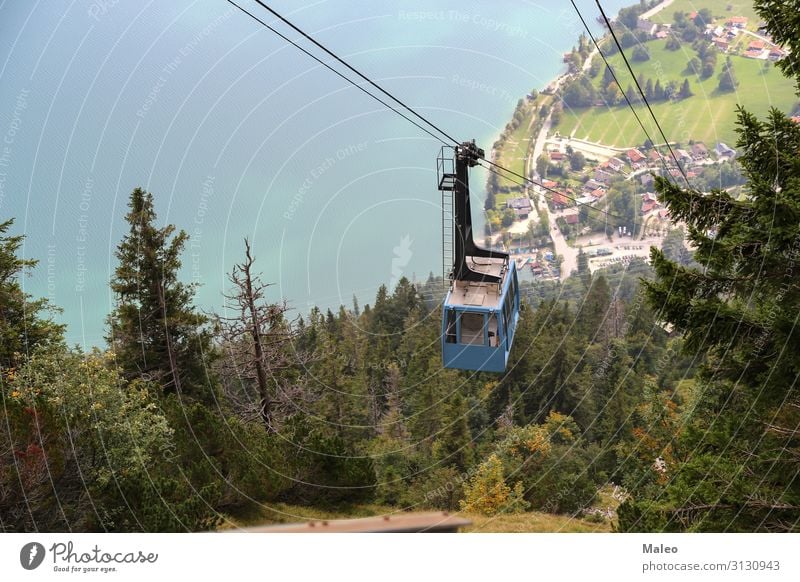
480 313
480 320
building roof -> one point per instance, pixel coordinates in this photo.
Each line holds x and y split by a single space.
592 184
598 193
571 218
724 150
635 155
519 204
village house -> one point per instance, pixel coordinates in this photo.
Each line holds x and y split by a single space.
683 156
699 151
597 193
725 151
603 176
522 207
557 156
655 157
646 26
591 185
615 164
649 202
737 22
571 217
559 200
635 157
776 54
722 44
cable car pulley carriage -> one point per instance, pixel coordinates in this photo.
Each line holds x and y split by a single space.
481 310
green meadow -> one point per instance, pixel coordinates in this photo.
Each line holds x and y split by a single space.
708 116
719 9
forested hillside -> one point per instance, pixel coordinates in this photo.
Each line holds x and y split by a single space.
186 417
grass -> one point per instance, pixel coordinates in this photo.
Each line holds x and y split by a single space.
707 116
515 149
718 10
530 522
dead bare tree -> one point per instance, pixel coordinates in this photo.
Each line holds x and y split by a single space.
258 346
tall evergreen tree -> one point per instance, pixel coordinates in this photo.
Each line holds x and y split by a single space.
24 321
739 470
686 90
155 331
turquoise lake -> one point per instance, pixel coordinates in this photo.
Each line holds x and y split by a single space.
238 134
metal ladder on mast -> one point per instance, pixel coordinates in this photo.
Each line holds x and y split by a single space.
445 169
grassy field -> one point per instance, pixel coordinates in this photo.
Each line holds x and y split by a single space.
708 116
718 9
533 522
515 149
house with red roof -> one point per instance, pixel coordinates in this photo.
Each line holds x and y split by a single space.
635 156
560 200
649 202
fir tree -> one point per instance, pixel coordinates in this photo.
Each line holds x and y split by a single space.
155 331
24 322
738 315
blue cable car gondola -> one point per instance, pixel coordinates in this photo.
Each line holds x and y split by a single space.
481 310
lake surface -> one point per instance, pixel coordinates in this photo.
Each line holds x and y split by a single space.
238 134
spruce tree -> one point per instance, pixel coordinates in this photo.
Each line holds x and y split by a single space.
155 331
686 90
24 321
738 313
